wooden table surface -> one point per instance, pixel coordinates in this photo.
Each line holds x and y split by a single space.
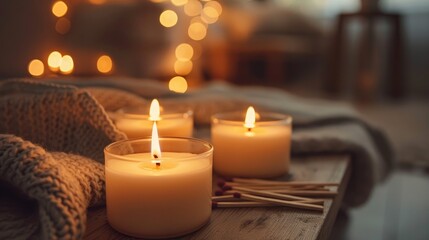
262 223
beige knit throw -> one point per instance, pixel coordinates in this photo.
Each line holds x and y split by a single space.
45 194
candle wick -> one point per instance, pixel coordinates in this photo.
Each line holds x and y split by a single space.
249 129
157 163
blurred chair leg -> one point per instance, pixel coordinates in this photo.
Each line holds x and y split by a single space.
396 84
333 78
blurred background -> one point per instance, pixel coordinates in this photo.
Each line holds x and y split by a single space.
373 54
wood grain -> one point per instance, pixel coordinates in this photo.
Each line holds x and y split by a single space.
262 222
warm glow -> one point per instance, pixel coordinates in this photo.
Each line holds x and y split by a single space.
67 64
209 15
249 122
104 64
59 8
179 2
184 52
155 149
178 84
193 8
183 67
97 2
197 31
168 18
154 110
62 26
54 60
36 68
216 5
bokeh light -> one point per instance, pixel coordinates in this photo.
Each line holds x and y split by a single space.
104 64
178 84
216 5
54 60
168 18
184 52
209 15
97 2
197 31
179 2
193 8
59 8
183 67
67 64
62 26
36 68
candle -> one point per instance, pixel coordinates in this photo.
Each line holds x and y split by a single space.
172 121
154 194
250 148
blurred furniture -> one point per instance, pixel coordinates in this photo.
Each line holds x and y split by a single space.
268 60
366 79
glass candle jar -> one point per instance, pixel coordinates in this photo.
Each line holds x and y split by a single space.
173 121
150 200
260 151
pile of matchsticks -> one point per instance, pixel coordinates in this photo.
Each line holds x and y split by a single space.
240 192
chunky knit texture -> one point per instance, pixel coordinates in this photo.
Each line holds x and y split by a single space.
63 185
56 117
52 189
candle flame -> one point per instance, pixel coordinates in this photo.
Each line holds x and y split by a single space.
155 149
249 122
154 111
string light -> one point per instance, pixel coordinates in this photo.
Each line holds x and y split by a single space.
62 26
178 84
104 64
59 9
197 31
183 67
168 18
184 52
193 8
97 2
67 64
36 68
54 61
178 3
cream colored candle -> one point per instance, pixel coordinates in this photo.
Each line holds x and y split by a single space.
170 122
158 195
247 148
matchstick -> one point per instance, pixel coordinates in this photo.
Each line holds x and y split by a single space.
238 181
307 206
229 197
265 193
269 188
307 193
311 201
242 204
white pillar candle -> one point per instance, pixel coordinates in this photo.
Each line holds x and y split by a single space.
245 148
158 197
172 121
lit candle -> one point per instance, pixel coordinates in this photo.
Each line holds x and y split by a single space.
171 122
154 194
257 149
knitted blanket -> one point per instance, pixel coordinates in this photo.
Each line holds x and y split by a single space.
59 174
45 190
